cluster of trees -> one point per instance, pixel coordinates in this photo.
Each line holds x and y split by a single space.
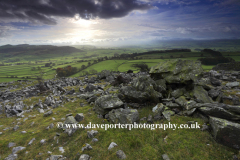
142 66
49 64
67 71
215 60
212 52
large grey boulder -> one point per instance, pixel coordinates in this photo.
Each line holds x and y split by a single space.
217 110
201 94
144 82
143 89
106 103
225 132
177 71
232 84
124 116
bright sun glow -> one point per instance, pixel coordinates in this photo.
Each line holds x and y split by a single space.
82 30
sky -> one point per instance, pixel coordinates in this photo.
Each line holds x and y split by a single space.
103 22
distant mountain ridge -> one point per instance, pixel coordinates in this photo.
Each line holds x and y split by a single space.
26 47
12 51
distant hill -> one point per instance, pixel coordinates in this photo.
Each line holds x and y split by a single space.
26 50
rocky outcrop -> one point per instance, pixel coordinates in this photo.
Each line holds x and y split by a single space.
143 89
177 71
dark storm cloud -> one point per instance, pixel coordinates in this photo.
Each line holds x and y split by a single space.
44 10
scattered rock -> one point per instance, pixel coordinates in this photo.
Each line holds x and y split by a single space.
70 120
61 149
86 146
11 144
165 157
167 114
31 141
150 119
121 155
94 140
112 145
15 127
79 117
92 133
55 157
84 157
48 113
43 141
16 149
158 109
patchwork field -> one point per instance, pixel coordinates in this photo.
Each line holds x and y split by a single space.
23 64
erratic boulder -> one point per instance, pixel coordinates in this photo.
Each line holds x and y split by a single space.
106 103
177 71
225 132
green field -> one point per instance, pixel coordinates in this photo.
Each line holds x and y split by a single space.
13 70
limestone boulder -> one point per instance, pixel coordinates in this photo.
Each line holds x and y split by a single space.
106 103
124 116
225 132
